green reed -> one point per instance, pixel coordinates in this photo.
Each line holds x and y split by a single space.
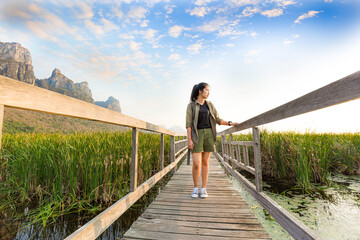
59 173
306 158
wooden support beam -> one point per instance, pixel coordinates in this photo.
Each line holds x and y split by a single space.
172 152
246 156
134 159
1 121
162 152
257 159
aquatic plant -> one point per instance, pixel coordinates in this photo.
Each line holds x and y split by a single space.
306 158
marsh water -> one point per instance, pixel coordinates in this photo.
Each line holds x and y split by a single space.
331 211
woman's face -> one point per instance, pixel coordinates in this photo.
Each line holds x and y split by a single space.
205 92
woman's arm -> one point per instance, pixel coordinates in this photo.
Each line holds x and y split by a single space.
190 142
223 122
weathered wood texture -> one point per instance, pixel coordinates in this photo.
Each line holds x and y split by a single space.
343 90
101 222
1 121
162 159
17 94
175 215
257 159
134 159
292 225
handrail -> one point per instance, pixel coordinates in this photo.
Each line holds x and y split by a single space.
20 95
341 91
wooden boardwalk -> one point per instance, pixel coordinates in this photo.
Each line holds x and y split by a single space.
175 215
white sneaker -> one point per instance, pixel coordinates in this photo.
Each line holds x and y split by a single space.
203 193
195 192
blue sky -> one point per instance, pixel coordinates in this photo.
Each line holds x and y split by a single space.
256 55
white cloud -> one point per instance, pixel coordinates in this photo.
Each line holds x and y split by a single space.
272 13
195 48
230 45
144 23
284 3
175 31
85 10
288 41
328 1
310 14
174 57
108 25
203 2
213 25
240 3
199 11
249 11
126 36
118 13
137 13
134 46
169 8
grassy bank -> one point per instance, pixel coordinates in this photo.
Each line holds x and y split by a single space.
307 158
56 174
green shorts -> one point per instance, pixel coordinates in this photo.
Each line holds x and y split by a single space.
206 141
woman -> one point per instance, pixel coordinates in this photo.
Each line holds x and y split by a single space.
201 119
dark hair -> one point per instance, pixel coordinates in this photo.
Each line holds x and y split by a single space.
195 90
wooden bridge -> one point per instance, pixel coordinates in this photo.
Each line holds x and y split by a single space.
174 215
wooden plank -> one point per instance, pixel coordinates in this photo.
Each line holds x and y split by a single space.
257 159
162 152
101 222
149 227
1 121
211 225
248 220
242 143
134 159
175 213
21 95
341 91
292 225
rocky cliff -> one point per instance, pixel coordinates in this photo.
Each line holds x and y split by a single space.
15 62
112 103
58 82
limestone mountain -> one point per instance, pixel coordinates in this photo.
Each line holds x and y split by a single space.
58 82
15 62
112 103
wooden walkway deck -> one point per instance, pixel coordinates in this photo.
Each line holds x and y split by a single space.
175 215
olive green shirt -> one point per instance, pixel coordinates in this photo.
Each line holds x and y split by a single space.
192 121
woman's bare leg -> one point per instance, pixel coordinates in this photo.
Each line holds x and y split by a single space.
196 168
205 168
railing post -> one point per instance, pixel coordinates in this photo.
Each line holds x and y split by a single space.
172 152
231 151
162 152
1 121
134 160
222 145
257 159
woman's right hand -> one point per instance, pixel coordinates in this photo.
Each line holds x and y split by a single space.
190 144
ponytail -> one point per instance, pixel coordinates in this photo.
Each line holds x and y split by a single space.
195 90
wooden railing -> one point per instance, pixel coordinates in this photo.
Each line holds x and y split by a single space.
343 90
20 95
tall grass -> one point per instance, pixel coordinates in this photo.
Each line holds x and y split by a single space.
59 173
307 158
